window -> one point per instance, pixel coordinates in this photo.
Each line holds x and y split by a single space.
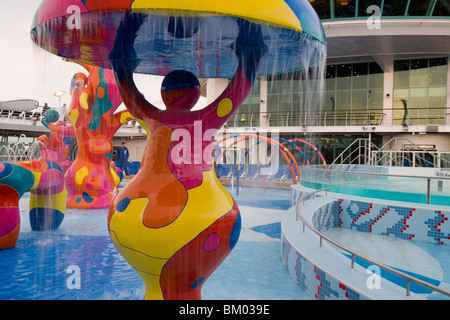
401 71
248 113
420 91
394 7
344 73
344 9
353 92
418 76
420 7
364 4
441 8
295 99
322 8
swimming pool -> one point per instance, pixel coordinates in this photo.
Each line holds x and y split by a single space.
409 237
389 183
40 266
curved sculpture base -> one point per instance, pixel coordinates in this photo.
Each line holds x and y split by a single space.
175 260
45 180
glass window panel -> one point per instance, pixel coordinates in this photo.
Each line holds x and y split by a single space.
437 92
285 86
329 100
397 116
401 73
330 77
375 99
344 8
376 81
343 100
364 4
272 103
331 71
394 7
436 116
374 68
438 61
437 102
322 8
401 79
359 82
401 65
418 93
438 71
417 105
359 76
401 97
376 76
418 116
298 85
419 64
419 7
285 102
344 73
419 73
343 83
442 8
330 84
401 94
359 100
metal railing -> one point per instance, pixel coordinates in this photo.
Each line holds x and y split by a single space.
354 254
310 118
399 152
341 117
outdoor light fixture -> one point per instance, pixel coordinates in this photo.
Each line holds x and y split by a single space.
59 94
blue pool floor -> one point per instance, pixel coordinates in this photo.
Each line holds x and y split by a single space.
39 266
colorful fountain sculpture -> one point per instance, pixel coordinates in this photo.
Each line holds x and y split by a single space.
174 222
45 180
90 181
54 146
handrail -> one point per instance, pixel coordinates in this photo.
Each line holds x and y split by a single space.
340 117
354 254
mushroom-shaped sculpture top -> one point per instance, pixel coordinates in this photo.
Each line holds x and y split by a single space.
166 35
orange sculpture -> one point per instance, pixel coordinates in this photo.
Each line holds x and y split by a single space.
95 98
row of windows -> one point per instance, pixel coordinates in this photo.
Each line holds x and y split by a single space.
419 94
357 86
331 9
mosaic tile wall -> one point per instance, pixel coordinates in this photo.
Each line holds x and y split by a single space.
312 279
424 224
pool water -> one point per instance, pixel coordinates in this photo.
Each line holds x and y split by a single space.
40 266
400 191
